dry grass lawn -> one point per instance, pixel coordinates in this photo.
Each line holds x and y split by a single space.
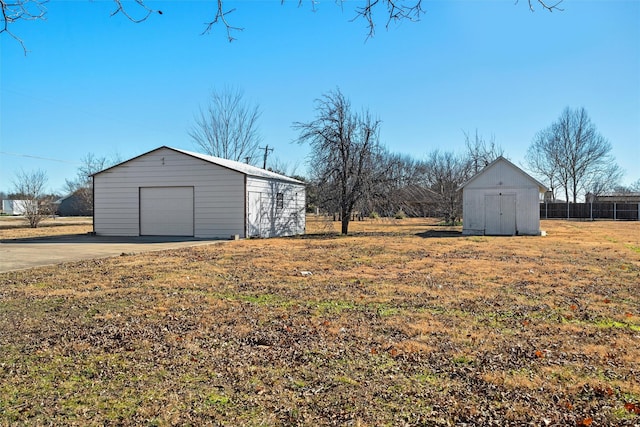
16 227
401 323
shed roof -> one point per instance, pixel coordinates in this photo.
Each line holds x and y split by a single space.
226 163
501 159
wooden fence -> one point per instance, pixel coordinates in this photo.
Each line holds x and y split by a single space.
592 211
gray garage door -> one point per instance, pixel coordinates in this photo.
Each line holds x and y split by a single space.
166 211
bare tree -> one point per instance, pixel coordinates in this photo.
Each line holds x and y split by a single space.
228 127
542 157
572 153
138 11
604 180
345 153
634 187
30 187
403 190
82 185
446 172
481 152
282 167
430 187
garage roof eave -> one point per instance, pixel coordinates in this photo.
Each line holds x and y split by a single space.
243 168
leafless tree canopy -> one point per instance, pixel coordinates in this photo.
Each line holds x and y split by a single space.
605 179
138 11
430 187
30 187
401 192
228 127
400 185
445 173
368 10
481 152
82 185
573 156
346 153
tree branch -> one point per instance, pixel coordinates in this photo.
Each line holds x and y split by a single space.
147 11
545 5
221 16
397 10
27 10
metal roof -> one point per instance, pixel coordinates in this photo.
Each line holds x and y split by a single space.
237 166
226 163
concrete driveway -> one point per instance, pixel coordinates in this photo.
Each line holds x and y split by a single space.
19 254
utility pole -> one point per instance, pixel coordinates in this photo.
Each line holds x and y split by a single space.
266 153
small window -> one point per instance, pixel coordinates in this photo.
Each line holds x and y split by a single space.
280 201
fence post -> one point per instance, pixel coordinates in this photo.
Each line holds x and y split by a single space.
591 210
614 210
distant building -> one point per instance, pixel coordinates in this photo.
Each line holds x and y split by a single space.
14 207
75 204
614 198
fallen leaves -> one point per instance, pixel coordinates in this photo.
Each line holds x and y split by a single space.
634 408
390 329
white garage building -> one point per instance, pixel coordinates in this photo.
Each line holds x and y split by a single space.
173 192
501 200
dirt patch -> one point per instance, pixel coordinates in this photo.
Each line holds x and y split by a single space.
382 327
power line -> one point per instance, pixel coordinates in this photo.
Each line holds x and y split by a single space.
38 157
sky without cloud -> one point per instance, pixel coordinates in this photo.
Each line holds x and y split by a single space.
95 83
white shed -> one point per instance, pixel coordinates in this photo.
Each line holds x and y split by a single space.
173 192
501 200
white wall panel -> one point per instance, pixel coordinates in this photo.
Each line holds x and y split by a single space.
219 196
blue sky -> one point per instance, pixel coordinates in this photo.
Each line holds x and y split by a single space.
92 83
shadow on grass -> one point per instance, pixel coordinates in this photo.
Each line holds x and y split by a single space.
429 234
336 235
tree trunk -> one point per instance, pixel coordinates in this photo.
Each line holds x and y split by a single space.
345 221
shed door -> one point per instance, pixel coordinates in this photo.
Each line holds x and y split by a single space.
254 214
166 211
500 214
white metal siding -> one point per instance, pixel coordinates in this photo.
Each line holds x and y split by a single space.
501 178
528 211
219 197
166 211
272 220
501 175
